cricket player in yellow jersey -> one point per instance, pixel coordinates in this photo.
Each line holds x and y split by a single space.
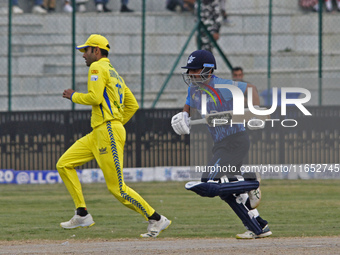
113 105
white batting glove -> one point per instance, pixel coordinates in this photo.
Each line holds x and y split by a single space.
180 123
254 124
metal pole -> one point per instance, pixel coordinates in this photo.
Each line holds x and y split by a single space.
143 55
269 49
73 48
198 39
9 60
175 64
320 51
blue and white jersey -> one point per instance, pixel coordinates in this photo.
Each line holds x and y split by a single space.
218 100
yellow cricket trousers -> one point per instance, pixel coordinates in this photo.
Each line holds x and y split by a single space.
105 144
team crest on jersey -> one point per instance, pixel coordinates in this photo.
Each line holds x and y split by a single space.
94 77
102 151
191 58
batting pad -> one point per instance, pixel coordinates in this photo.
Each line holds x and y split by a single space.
204 189
237 187
213 189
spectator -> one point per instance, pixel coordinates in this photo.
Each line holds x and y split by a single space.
101 6
49 5
237 73
211 18
36 8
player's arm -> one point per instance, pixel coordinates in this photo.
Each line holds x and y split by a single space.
130 105
186 108
255 95
95 87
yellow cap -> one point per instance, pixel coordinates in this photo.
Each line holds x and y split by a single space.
95 41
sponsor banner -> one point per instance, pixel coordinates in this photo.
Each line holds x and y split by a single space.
9 176
141 174
180 173
29 177
305 171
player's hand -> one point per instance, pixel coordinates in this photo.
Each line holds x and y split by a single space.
68 93
180 123
254 124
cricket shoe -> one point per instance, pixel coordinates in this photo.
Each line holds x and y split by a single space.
251 235
156 227
78 221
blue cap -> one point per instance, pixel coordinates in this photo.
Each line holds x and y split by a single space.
200 59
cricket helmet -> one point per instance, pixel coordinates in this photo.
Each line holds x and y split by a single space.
199 59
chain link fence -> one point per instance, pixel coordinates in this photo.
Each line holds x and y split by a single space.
277 43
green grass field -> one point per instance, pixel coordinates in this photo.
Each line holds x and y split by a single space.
294 208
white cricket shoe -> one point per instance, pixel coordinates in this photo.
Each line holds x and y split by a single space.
38 9
17 10
156 227
78 221
251 235
100 7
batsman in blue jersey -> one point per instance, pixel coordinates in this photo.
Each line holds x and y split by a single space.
231 143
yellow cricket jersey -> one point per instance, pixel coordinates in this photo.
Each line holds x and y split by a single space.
110 98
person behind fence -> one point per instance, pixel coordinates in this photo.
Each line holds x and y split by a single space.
237 73
101 6
37 8
231 144
113 105
211 17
